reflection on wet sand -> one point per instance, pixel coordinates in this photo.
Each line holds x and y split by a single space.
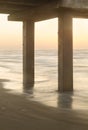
65 100
28 89
19 113
27 86
2 81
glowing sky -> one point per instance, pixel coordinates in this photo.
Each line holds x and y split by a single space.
10 33
45 34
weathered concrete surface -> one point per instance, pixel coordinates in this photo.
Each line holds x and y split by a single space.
28 53
65 56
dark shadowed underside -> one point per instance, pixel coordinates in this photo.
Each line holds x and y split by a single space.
16 6
11 6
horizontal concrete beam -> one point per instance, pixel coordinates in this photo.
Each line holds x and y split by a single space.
36 14
49 11
15 5
40 14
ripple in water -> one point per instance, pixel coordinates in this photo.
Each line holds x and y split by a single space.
46 86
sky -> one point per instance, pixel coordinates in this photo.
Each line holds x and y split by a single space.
45 34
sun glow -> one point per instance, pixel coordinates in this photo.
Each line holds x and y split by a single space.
46 34
80 33
10 33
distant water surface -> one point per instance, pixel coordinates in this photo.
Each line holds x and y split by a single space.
46 86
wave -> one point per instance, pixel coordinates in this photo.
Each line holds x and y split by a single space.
46 66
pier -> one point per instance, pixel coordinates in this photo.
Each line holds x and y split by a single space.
31 11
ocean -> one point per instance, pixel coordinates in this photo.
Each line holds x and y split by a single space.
46 83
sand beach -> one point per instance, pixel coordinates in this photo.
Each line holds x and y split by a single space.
19 113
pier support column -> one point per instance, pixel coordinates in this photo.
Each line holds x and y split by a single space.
65 55
28 53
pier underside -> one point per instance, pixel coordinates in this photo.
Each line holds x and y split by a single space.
30 11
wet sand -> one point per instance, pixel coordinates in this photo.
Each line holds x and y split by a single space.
18 113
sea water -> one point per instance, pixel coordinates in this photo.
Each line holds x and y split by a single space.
46 75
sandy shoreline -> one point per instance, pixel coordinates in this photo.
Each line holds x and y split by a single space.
18 113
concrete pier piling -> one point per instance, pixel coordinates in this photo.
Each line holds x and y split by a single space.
28 53
65 53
